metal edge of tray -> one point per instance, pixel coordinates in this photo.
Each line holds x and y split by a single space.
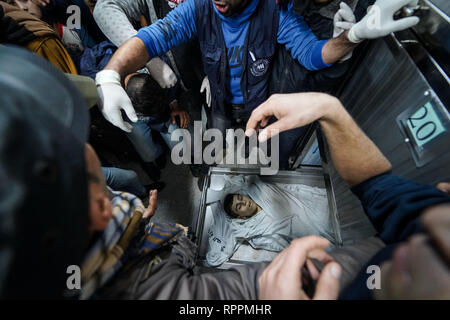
329 187
201 215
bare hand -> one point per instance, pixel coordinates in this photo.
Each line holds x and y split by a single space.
152 204
177 111
282 279
291 110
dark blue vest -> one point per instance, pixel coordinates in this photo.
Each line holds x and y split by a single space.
260 41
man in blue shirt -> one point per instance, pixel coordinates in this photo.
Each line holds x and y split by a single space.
237 40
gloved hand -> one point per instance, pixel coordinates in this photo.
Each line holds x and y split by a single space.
379 21
113 98
162 73
205 86
343 20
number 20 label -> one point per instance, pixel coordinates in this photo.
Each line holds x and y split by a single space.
425 125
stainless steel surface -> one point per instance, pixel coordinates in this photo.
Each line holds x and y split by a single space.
442 5
385 84
431 38
395 75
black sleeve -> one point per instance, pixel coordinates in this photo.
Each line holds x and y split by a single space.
393 204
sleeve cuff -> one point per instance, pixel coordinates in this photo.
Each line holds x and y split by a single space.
361 189
148 42
317 60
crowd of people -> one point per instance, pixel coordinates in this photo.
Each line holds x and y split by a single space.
151 65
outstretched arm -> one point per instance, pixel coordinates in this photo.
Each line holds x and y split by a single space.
354 155
316 54
337 48
131 56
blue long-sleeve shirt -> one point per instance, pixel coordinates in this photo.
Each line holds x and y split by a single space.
179 26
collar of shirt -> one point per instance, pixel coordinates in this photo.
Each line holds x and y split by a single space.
237 19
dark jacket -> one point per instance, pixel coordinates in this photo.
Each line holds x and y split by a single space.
261 41
288 76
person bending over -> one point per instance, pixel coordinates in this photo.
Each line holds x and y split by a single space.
157 111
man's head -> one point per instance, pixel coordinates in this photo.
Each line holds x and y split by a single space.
229 7
100 208
29 6
44 193
147 96
239 206
420 268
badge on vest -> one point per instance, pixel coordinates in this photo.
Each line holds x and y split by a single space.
259 67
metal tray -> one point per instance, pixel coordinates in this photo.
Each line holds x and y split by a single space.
312 176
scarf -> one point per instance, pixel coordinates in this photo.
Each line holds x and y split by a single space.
30 22
112 249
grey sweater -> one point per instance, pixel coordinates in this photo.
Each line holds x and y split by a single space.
120 19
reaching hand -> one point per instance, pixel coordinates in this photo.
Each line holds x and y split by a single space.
207 89
152 204
379 21
292 111
113 99
162 73
282 279
177 111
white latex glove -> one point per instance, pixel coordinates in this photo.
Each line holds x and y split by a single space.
113 98
162 73
379 21
205 86
343 20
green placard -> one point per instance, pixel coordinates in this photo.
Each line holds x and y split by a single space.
425 125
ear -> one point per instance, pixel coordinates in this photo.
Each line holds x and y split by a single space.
106 207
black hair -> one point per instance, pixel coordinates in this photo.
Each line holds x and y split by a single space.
147 96
227 205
